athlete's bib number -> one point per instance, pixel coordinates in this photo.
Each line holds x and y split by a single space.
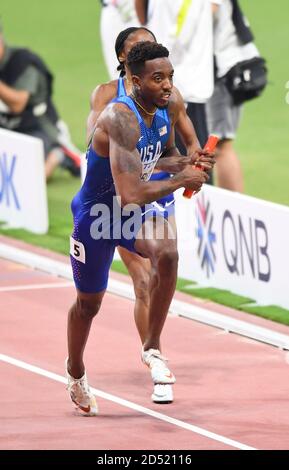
77 250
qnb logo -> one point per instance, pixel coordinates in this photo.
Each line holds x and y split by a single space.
206 236
8 194
246 246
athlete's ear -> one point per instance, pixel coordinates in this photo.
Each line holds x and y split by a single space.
136 81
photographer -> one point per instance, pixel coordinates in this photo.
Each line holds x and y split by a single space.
26 106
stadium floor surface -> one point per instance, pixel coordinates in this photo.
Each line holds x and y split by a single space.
231 392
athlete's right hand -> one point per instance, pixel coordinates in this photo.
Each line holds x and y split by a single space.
193 178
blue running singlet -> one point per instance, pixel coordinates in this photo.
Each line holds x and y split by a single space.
167 202
99 222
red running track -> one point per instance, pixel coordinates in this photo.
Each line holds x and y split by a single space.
226 384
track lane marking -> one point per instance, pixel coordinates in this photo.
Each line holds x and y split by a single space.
49 285
128 404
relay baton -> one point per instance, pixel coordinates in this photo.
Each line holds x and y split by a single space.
210 147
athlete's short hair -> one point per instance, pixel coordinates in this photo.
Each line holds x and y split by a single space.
142 52
120 40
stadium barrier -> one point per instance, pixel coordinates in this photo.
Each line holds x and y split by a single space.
234 242
23 199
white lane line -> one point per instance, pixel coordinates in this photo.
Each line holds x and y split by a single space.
51 285
194 312
129 404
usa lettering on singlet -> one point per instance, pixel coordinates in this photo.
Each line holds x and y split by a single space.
152 139
160 127
149 157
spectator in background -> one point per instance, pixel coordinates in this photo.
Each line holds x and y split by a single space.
186 29
116 15
233 43
26 106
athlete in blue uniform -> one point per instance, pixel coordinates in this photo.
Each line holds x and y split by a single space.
166 203
128 139
138 267
99 188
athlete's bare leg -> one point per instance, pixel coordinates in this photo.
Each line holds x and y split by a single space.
164 262
80 318
139 270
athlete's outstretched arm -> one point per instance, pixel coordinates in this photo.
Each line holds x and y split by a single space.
183 124
122 128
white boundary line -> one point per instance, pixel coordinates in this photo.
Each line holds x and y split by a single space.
178 307
52 285
128 404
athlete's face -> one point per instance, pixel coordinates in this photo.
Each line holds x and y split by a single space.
138 36
156 82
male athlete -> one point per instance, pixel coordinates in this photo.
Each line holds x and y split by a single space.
138 267
129 137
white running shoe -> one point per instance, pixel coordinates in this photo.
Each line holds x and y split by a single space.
163 393
81 395
158 365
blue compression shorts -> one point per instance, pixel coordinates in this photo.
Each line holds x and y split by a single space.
91 258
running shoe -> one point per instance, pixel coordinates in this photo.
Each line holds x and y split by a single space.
81 395
158 365
163 393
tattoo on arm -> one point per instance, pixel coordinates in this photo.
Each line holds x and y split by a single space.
128 163
123 127
123 130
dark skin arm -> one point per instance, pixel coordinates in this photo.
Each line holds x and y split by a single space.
100 98
182 123
122 129
185 128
